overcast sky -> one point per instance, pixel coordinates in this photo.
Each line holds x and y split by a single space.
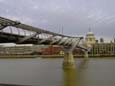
74 16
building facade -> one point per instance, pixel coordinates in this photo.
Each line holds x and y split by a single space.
99 48
103 49
21 50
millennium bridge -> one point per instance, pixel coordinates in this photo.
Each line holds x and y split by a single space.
11 32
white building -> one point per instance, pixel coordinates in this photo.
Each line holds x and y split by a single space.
90 38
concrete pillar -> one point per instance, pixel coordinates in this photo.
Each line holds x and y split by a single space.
68 62
86 55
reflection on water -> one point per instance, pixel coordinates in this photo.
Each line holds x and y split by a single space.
49 72
71 75
83 64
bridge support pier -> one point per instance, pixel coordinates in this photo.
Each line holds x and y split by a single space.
68 62
86 56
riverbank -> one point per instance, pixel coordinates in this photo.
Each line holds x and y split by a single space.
75 56
17 56
37 56
53 56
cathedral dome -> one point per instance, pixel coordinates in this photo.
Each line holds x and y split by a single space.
90 34
90 37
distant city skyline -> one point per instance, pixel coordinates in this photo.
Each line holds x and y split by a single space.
74 16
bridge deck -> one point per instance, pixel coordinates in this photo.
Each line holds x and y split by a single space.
32 39
14 38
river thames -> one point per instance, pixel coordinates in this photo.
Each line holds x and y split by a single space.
49 72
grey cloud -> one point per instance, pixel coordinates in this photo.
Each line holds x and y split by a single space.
75 16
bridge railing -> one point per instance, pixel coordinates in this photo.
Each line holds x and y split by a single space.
34 34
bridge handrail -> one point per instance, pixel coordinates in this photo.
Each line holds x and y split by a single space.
31 28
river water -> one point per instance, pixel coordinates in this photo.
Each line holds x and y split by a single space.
49 72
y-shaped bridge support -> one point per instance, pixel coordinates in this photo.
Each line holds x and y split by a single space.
69 62
86 54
